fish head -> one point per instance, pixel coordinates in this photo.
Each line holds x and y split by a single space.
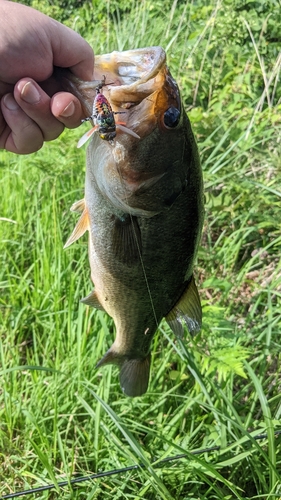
142 89
142 176
144 169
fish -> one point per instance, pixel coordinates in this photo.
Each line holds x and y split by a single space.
143 208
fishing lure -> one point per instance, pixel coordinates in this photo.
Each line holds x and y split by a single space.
103 119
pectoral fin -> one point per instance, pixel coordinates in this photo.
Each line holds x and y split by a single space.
187 311
127 239
78 206
92 300
80 228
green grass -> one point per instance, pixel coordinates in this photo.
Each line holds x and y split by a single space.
60 417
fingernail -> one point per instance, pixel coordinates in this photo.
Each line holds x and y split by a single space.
68 110
10 102
30 94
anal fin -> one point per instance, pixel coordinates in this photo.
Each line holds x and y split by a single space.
93 301
126 236
186 311
80 228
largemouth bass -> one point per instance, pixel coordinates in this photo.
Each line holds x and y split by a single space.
143 207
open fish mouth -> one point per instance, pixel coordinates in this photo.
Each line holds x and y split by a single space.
136 83
130 78
131 66
131 75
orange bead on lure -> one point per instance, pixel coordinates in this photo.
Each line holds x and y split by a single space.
103 119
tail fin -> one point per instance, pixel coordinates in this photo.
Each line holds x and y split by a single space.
134 376
134 373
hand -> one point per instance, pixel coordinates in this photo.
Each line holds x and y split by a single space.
31 44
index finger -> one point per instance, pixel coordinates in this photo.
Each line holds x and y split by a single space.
68 47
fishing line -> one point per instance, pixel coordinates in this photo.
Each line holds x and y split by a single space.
125 469
138 247
144 273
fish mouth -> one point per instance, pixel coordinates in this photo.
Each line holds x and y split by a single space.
131 66
132 75
139 82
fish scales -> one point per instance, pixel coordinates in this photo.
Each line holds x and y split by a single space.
143 208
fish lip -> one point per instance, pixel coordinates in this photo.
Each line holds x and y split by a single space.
133 75
146 62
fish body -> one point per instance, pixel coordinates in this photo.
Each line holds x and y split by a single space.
143 208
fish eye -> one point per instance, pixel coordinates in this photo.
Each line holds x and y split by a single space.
171 117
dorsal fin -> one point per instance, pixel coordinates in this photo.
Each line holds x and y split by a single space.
80 228
92 300
187 310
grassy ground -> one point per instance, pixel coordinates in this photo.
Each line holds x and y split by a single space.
58 415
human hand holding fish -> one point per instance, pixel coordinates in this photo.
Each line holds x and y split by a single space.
34 108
